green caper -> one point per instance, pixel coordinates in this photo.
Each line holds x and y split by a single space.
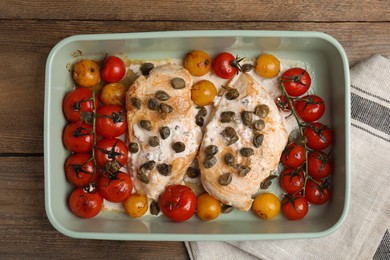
232 93
149 165
246 152
242 170
178 83
136 102
227 116
202 111
267 182
246 118
225 179
199 120
211 150
146 124
112 166
258 140
226 209
146 68
229 159
262 111
154 208
142 176
193 172
209 162
133 147
153 104
247 67
165 132
154 141
162 95
258 125
179 147
164 169
230 135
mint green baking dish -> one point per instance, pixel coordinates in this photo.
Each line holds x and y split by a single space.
331 80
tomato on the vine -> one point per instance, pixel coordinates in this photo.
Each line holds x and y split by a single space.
85 204
292 180
293 155
79 169
317 192
111 121
78 137
296 81
319 165
77 102
178 202
310 108
318 136
225 65
111 154
282 103
114 69
115 187
295 207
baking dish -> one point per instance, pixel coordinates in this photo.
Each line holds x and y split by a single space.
330 67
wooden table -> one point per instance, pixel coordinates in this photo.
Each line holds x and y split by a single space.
28 31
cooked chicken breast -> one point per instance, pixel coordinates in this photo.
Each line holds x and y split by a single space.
163 136
249 144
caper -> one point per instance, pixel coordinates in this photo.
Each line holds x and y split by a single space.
211 150
232 94
86 117
242 170
142 176
209 162
178 147
230 135
225 179
227 116
193 172
258 125
258 140
247 67
246 118
229 159
262 111
165 132
164 110
146 68
199 120
154 208
178 83
146 124
246 152
162 95
112 166
149 165
226 209
202 111
136 102
133 147
154 141
164 169
267 182
153 104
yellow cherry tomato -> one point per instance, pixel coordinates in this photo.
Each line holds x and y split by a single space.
207 207
203 93
113 94
198 63
86 73
136 205
267 66
266 206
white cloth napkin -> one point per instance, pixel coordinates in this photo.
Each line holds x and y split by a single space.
368 220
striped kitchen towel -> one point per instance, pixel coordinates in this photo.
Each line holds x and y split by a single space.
365 232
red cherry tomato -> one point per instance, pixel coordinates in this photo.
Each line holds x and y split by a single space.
293 155
111 154
282 103
77 102
79 170
292 180
85 204
294 207
317 193
178 202
318 136
296 81
116 187
111 121
114 69
225 65
310 108
319 165
78 137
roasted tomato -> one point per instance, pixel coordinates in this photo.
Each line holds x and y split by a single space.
203 93
294 207
86 73
310 108
282 103
136 205
79 170
318 136
319 165
111 154
207 207
225 65
85 204
77 103
115 187
317 192
296 81
292 180
198 63
111 121
178 202
267 66
293 155
113 94
113 70
78 137
266 205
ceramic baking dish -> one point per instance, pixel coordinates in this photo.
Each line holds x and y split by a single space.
329 64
